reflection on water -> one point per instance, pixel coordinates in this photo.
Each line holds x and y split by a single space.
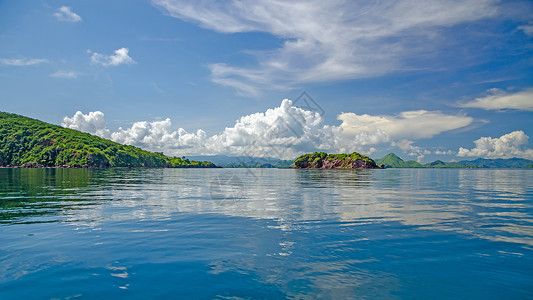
493 204
269 233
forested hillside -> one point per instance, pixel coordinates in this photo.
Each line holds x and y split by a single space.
32 143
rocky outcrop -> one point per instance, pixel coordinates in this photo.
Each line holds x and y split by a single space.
321 160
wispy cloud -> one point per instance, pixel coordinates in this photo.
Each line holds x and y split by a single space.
65 74
120 57
527 29
328 40
20 62
158 89
499 100
65 13
510 145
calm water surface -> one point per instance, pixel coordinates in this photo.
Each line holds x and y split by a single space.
266 233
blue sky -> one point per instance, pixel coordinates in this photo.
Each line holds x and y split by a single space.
447 80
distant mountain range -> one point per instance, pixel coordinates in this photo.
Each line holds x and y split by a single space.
243 161
394 161
389 161
28 142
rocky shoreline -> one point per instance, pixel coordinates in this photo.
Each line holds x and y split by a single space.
340 164
321 160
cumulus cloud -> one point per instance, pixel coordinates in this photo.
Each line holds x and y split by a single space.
158 136
92 123
120 57
20 62
510 145
328 40
499 99
65 13
285 131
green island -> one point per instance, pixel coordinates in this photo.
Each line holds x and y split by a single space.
322 160
30 143
392 160
26 142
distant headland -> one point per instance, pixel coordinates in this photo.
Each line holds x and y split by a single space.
30 143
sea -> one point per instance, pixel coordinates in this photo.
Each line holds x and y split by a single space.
266 234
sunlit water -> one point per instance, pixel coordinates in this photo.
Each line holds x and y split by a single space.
266 233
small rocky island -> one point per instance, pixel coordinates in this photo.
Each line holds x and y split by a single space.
322 160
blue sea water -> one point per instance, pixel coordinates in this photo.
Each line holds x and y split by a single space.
266 234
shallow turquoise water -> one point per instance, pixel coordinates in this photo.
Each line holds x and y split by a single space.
266 233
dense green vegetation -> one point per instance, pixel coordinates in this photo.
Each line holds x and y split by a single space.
322 159
29 142
393 161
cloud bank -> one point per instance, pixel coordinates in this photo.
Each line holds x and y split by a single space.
328 40
498 100
415 124
507 146
120 57
65 13
285 132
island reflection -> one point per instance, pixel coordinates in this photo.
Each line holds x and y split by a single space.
444 200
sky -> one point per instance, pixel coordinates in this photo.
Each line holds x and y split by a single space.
437 79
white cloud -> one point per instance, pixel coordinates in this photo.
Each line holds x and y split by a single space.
407 146
527 29
442 152
65 13
19 62
407 125
92 123
412 150
499 99
119 58
285 131
507 146
328 40
158 136
65 74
